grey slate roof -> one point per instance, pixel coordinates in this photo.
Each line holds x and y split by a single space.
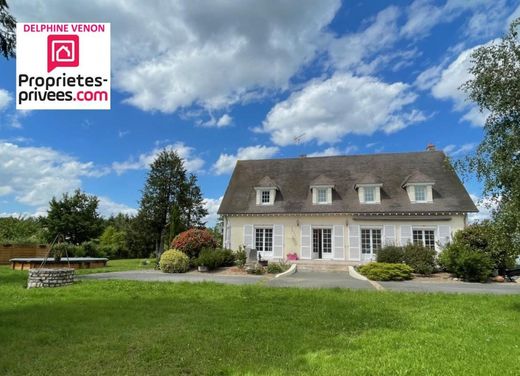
295 175
266 181
417 177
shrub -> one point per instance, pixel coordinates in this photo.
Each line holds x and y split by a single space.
466 263
240 257
391 254
215 258
277 267
380 271
256 269
192 241
419 258
174 261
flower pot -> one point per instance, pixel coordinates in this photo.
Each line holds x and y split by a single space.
202 268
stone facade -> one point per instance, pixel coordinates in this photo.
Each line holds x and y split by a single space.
50 277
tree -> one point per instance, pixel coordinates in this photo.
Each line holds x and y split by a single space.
195 211
7 31
495 87
75 217
22 230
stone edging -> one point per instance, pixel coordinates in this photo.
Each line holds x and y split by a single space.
50 277
289 271
354 274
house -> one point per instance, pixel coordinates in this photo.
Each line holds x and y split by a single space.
343 208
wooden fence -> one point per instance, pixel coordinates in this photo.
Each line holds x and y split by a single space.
9 251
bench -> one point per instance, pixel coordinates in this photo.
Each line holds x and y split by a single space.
510 273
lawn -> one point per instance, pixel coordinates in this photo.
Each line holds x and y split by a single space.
137 328
120 265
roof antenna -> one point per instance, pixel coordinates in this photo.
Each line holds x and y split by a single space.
297 141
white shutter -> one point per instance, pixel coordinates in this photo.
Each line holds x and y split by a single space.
389 235
258 196
354 242
248 236
272 196
278 241
339 246
329 195
429 193
377 194
305 252
361 194
406 234
444 235
227 234
314 192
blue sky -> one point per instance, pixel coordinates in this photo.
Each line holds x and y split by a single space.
220 81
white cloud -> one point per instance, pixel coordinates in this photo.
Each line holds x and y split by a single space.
454 151
171 54
447 86
224 120
350 50
485 205
486 18
212 205
107 208
35 174
226 162
327 110
221 122
192 162
5 99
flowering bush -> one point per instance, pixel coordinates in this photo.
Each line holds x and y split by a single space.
192 241
292 256
174 261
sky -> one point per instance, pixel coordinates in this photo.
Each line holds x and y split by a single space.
220 81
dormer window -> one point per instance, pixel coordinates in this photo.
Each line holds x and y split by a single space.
266 191
419 188
370 194
322 195
266 197
420 193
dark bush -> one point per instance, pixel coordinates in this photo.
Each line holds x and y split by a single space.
192 241
419 258
240 257
215 258
466 263
380 271
391 254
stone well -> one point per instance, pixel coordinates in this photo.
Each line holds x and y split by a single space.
50 277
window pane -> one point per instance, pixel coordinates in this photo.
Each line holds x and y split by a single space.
322 195
418 237
376 240
369 194
316 240
266 195
429 239
420 193
327 240
268 240
259 239
365 241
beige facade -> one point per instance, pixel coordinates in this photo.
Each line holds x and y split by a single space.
298 233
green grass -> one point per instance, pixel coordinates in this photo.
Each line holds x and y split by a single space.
120 266
138 328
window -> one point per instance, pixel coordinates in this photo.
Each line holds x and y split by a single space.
322 195
264 239
425 238
322 242
266 197
420 193
370 193
370 241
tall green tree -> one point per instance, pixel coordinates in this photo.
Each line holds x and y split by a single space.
7 31
495 87
194 207
75 217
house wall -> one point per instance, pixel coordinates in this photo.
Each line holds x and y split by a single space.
292 229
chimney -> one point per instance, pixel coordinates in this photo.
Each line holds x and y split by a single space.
430 147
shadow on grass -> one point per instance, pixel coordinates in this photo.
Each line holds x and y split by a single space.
157 328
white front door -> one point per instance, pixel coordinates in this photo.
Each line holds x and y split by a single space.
370 243
321 243
264 242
